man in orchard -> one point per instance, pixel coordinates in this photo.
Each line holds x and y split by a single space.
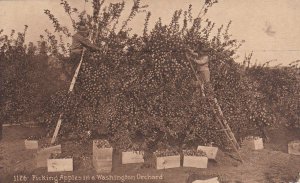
79 42
202 70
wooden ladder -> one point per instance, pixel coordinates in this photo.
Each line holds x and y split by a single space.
220 117
70 90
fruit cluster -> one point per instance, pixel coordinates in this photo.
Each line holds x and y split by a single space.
166 153
194 153
59 156
252 138
103 144
33 137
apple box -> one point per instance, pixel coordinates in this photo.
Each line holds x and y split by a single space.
294 147
253 143
132 157
195 161
44 154
211 152
168 162
60 165
31 144
102 158
102 166
211 180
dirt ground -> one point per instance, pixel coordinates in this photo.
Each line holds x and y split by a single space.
270 165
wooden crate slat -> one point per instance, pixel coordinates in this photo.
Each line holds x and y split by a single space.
211 152
195 161
60 165
102 166
132 157
167 162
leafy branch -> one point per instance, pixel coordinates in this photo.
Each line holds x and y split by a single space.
56 24
136 8
69 11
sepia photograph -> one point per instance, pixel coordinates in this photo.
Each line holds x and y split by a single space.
149 91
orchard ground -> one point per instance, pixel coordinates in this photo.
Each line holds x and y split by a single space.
272 164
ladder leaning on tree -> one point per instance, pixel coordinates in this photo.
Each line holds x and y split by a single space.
220 117
70 90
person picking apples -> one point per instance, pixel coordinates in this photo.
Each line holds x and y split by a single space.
201 60
80 41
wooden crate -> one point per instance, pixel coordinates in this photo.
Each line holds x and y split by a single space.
195 161
211 152
44 154
102 158
211 180
132 157
102 166
31 144
101 153
254 144
168 162
60 165
294 147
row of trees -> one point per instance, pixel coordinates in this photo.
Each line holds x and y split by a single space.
280 88
144 98
26 78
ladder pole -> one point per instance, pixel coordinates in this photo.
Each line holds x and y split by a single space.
76 72
225 129
230 137
71 88
225 121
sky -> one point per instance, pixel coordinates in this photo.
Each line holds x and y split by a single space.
270 28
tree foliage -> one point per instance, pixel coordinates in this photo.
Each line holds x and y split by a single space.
144 98
26 79
139 92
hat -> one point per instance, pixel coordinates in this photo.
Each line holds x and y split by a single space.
82 28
